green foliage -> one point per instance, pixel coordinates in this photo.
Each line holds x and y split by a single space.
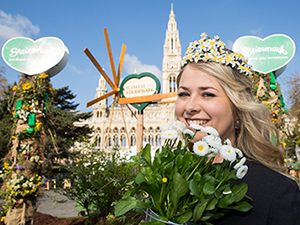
6 121
61 116
98 180
185 187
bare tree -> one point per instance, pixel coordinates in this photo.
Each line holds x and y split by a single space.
293 94
3 81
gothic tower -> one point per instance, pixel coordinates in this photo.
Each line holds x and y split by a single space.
172 55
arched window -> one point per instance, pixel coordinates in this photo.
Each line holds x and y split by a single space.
151 140
109 142
172 83
116 140
98 141
123 141
158 140
132 140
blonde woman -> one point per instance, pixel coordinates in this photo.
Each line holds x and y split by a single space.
214 89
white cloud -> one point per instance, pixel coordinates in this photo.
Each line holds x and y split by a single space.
74 69
14 26
258 32
132 63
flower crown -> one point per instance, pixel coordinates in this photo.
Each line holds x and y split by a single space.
208 49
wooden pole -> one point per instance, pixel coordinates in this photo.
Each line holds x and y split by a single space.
139 131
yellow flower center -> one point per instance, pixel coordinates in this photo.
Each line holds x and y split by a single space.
200 148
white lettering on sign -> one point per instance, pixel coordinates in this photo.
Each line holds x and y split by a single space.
256 49
18 51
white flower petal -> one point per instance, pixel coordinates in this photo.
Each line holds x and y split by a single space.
240 163
241 172
228 153
188 133
201 148
169 134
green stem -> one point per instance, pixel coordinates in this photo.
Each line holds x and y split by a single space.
225 176
200 161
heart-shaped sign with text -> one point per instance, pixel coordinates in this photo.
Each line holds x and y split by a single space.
136 85
268 54
48 54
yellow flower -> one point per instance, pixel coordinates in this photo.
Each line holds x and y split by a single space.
14 88
42 76
27 86
165 180
2 218
13 137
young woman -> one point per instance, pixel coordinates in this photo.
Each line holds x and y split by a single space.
214 89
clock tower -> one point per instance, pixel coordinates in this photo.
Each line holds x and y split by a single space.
172 55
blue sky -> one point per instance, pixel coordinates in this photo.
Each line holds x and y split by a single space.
141 25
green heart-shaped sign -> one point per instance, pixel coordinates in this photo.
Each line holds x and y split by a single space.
136 85
268 54
48 54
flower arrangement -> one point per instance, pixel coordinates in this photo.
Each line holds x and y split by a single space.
188 187
213 49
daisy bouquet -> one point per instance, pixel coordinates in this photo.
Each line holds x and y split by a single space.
184 187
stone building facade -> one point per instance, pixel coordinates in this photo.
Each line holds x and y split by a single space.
155 115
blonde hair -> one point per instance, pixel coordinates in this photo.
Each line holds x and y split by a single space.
254 137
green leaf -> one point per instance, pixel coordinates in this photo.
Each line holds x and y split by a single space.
239 191
184 217
168 169
147 154
140 179
212 204
208 189
178 161
198 210
180 188
226 201
197 176
124 205
243 206
194 188
156 162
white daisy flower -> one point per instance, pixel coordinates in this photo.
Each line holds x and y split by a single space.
196 126
213 141
212 152
221 59
188 133
169 134
179 126
203 35
240 163
241 172
227 142
206 57
210 130
228 153
201 148
239 153
166 126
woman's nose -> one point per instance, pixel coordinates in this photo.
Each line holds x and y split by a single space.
192 106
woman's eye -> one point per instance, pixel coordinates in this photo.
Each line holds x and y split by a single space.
207 94
183 94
